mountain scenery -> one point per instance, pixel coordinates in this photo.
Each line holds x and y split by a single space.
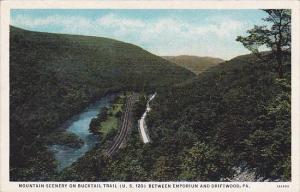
61 74
194 63
101 105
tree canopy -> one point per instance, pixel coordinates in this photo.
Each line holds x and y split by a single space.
276 36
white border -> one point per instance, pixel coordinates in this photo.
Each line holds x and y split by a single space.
5 185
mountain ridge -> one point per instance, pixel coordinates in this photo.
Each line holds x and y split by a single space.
54 76
196 64
235 115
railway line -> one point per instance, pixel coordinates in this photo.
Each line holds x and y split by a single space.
125 125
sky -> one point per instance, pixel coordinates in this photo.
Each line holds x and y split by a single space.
199 32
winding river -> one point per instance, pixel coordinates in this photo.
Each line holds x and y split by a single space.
79 125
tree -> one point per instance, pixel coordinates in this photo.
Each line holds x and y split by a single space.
276 36
203 162
163 169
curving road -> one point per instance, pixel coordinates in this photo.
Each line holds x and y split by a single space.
126 123
142 122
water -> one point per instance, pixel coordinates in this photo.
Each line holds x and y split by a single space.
79 125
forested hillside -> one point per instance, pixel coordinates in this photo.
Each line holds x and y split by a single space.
54 76
234 114
237 114
194 63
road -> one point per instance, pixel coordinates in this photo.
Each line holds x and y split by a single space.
126 124
142 122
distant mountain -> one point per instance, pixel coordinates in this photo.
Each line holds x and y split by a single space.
194 63
54 76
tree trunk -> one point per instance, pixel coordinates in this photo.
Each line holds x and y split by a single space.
280 70
279 61
279 49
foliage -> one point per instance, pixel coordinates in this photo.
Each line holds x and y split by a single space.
205 163
55 76
268 148
239 108
96 122
139 107
64 138
277 36
108 118
237 113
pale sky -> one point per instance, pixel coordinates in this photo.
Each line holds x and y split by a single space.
160 31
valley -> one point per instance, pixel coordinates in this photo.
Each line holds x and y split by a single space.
140 117
55 76
195 64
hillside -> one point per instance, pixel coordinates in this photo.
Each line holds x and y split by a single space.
54 76
236 114
194 63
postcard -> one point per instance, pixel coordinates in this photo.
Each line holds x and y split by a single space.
150 96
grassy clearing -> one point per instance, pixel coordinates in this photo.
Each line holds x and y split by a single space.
113 115
109 124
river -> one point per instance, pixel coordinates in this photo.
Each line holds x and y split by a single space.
79 125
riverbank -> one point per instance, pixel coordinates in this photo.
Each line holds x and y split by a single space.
78 125
109 118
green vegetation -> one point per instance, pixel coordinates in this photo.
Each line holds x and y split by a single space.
277 37
233 115
64 138
109 118
95 166
140 106
96 122
110 123
194 63
239 109
55 76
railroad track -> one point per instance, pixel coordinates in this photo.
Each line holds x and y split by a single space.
126 123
